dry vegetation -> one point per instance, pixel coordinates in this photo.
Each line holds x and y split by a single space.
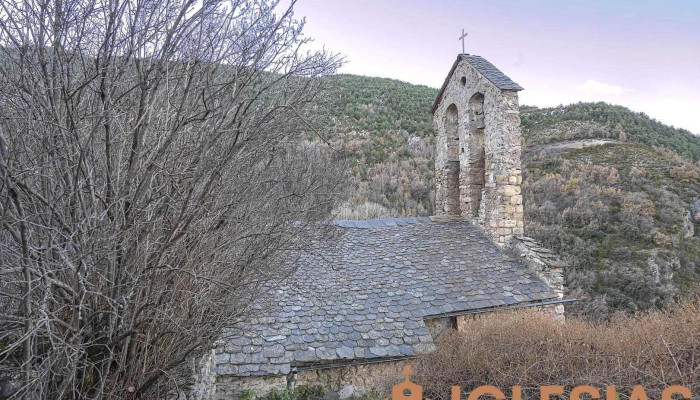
620 215
655 350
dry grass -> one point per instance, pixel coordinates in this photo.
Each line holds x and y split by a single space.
366 210
523 348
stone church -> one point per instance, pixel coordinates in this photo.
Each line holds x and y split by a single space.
376 295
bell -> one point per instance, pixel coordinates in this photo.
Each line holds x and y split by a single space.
480 123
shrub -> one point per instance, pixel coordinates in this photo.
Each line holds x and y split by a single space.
684 174
367 210
572 185
662 239
531 349
637 174
312 392
303 392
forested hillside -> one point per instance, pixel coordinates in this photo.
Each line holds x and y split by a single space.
386 129
604 121
609 189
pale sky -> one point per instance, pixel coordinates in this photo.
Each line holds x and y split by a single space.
642 54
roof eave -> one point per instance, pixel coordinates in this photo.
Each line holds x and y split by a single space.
311 366
547 302
436 103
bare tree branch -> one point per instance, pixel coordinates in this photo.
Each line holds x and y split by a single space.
153 176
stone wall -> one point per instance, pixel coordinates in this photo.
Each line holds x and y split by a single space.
543 262
437 326
232 387
204 385
499 211
356 379
344 381
556 311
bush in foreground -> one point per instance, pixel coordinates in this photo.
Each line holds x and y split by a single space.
654 350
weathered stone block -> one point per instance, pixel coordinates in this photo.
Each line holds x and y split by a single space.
509 223
345 352
506 209
273 351
221 358
511 190
325 353
346 392
504 231
241 358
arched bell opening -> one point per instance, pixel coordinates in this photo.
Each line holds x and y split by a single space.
477 153
452 164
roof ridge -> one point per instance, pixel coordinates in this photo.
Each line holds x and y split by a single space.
491 73
398 221
381 222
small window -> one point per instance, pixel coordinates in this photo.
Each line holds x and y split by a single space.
463 81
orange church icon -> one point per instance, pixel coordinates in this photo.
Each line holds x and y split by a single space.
407 390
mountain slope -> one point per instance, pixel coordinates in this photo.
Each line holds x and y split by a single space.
385 128
602 120
620 214
609 189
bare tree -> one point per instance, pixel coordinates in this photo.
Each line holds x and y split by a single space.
152 174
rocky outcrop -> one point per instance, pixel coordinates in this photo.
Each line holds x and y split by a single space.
688 228
696 211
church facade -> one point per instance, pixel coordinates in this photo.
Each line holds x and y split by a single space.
376 295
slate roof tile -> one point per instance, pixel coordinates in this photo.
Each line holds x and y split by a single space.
485 68
366 292
490 72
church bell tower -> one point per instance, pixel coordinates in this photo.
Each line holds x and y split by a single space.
478 171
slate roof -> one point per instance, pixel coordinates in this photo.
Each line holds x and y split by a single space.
485 68
365 294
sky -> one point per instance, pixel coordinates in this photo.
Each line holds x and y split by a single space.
641 54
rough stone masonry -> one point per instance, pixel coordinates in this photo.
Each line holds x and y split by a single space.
478 165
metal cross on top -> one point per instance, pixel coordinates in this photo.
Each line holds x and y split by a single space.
407 371
462 39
